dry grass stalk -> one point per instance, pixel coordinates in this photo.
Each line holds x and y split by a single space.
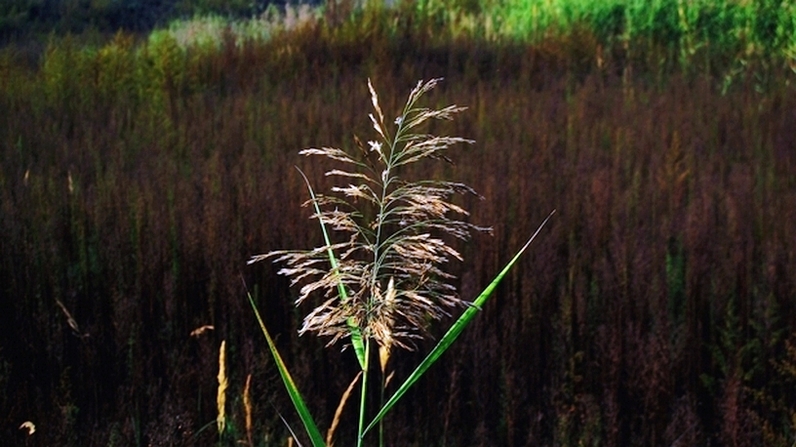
29 426
221 399
384 358
339 411
247 408
70 320
201 330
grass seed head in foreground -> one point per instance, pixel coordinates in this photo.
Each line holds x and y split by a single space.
386 275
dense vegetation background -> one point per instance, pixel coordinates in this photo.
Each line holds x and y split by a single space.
25 18
139 172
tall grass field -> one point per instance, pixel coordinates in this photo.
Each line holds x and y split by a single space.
140 171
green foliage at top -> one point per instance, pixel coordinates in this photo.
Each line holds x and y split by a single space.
766 22
708 32
715 32
737 28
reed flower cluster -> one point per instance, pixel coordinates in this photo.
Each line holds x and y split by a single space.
391 258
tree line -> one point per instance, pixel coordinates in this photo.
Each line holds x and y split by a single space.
22 19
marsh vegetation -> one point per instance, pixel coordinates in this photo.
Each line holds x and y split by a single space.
140 172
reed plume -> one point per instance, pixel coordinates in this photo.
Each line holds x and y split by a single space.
390 256
221 398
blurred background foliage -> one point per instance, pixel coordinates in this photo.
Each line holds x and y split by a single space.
21 18
148 150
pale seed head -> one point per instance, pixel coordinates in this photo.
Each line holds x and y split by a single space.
389 258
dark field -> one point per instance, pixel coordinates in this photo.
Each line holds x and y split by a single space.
657 308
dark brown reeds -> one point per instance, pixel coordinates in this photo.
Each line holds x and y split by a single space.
134 184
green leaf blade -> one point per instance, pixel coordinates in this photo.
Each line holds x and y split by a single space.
295 396
452 334
355 332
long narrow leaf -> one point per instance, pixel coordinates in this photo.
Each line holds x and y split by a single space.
292 390
289 428
453 333
356 333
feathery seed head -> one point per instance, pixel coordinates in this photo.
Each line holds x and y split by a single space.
387 277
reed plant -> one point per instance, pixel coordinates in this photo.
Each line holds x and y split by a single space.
384 278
